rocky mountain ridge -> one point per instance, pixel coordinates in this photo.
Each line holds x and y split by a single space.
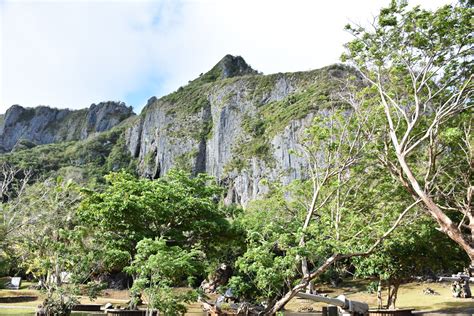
22 128
234 123
241 127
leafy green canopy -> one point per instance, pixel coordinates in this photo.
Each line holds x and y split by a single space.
417 248
180 208
158 267
270 267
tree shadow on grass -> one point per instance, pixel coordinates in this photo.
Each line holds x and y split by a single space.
463 306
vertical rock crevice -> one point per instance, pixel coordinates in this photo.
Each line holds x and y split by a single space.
206 130
241 127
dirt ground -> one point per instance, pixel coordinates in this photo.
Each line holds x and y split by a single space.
410 295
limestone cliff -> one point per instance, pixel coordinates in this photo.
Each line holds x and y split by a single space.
22 128
235 124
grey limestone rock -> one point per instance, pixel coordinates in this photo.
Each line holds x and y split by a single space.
164 137
20 127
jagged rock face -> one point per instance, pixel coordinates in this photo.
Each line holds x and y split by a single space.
103 116
242 130
231 66
241 127
26 127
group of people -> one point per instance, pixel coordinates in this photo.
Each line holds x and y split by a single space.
461 288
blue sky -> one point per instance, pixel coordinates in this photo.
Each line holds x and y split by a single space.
72 53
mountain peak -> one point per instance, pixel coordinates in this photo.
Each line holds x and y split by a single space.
232 66
229 66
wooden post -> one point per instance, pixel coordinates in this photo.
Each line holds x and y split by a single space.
325 311
332 311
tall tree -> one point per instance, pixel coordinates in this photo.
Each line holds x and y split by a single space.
340 212
45 241
418 67
47 214
13 183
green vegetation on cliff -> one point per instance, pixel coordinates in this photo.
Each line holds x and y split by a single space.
314 92
92 158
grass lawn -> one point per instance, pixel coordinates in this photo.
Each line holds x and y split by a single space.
16 311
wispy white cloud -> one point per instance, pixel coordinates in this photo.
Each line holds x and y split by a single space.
73 53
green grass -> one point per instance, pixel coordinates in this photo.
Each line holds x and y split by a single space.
17 311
